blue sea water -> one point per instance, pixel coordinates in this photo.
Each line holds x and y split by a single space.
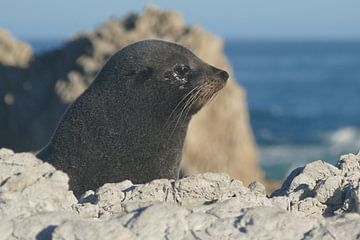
304 98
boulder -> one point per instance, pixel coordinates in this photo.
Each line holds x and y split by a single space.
323 188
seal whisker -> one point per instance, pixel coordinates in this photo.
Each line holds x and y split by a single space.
175 117
187 105
188 110
177 106
183 106
188 102
211 94
183 99
212 99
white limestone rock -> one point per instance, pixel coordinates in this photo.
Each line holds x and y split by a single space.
35 203
29 186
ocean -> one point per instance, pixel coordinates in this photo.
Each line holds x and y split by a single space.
303 97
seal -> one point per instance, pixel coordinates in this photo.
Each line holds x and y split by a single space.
131 122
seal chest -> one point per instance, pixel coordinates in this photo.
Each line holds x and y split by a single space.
131 122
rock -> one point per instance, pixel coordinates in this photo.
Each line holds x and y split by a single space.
206 188
329 191
322 188
190 192
173 224
311 173
29 186
308 207
349 162
219 138
38 226
13 52
356 197
257 187
272 223
72 229
35 203
339 227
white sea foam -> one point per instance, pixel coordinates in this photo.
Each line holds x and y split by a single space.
346 136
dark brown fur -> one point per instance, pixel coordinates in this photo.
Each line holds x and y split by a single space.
131 122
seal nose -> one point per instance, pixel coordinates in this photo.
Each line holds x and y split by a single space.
223 75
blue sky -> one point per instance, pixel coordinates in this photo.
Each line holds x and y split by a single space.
275 19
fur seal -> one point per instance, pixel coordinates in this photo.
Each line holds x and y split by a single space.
131 122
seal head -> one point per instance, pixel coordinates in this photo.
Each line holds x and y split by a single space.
131 122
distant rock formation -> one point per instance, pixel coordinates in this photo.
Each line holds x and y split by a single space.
33 99
317 201
13 52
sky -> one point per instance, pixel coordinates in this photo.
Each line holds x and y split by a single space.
239 19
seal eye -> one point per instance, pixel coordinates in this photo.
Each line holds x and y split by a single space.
182 70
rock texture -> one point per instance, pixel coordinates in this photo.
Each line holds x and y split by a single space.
219 137
318 201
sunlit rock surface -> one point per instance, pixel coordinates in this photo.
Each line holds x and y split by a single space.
317 201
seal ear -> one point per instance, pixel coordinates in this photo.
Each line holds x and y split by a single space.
144 75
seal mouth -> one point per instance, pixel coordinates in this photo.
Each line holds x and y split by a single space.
208 92
209 89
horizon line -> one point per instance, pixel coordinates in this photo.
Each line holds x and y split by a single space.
226 38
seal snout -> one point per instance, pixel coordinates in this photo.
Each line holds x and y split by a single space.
214 81
223 75
220 78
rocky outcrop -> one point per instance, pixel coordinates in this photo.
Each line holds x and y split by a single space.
321 188
33 99
318 201
14 52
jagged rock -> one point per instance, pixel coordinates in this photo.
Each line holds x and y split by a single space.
349 163
205 206
29 186
329 191
323 188
308 207
257 187
199 190
219 138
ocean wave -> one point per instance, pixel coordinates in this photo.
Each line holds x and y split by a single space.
291 154
279 160
346 136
